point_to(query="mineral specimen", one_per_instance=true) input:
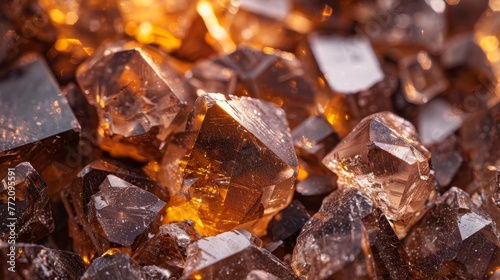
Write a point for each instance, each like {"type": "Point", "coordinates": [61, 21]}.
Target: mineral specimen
{"type": "Point", "coordinates": [349, 237]}
{"type": "Point", "coordinates": [454, 230]}
{"type": "Point", "coordinates": [36, 124]}
{"type": "Point", "coordinates": [231, 253]}
{"type": "Point", "coordinates": [39, 263]}
{"type": "Point", "coordinates": [117, 266]}
{"type": "Point", "coordinates": [138, 95]}
{"type": "Point", "coordinates": [123, 214]}
{"type": "Point", "coordinates": [241, 164]}
{"type": "Point", "coordinates": [383, 158]}
{"type": "Point", "coordinates": [24, 205]}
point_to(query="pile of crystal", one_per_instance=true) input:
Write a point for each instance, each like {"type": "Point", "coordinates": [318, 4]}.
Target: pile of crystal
{"type": "Point", "coordinates": [250, 139]}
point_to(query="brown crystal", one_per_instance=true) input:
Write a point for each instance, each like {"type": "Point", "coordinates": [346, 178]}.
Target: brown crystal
{"type": "Point", "coordinates": [383, 158]}
{"type": "Point", "coordinates": [36, 124]}
{"type": "Point", "coordinates": [29, 215]}
{"type": "Point", "coordinates": [138, 95]}
{"type": "Point", "coordinates": [268, 74]}
{"type": "Point", "coordinates": [118, 265]}
{"type": "Point", "coordinates": [240, 165]}
{"type": "Point", "coordinates": [349, 238]}
{"type": "Point", "coordinates": [231, 253]}
{"type": "Point", "coordinates": [446, 161]}
{"type": "Point", "coordinates": [454, 230]}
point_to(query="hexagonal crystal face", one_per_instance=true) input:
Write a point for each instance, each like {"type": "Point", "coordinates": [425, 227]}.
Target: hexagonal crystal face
{"type": "Point", "coordinates": [242, 164]}
{"type": "Point", "coordinates": [383, 158]}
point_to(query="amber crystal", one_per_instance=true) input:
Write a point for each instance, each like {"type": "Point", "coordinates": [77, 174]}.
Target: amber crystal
{"type": "Point", "coordinates": [267, 74]}
{"type": "Point", "coordinates": [32, 215]}
{"type": "Point", "coordinates": [349, 237]}
{"type": "Point", "coordinates": [38, 262]}
{"type": "Point", "coordinates": [307, 15]}
{"type": "Point", "coordinates": [137, 211]}
{"type": "Point", "coordinates": [383, 158]}
{"type": "Point", "coordinates": [231, 253]}
{"type": "Point", "coordinates": [240, 167]}
{"type": "Point", "coordinates": [487, 35]}
{"type": "Point", "coordinates": [37, 124]}
{"type": "Point", "coordinates": [138, 95]}
{"type": "Point", "coordinates": [350, 81]}
{"type": "Point", "coordinates": [454, 230]}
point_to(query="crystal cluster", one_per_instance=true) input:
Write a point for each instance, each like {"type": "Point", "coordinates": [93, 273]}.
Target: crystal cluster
{"type": "Point", "coordinates": [249, 139]}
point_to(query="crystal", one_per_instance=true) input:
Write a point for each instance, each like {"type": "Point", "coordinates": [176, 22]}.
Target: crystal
{"type": "Point", "coordinates": [261, 24]}
{"type": "Point", "coordinates": [437, 120]}
{"type": "Point", "coordinates": [37, 262]}
{"type": "Point", "coordinates": [29, 215]}
{"type": "Point", "coordinates": [36, 124]}
{"type": "Point", "coordinates": [446, 161]}
{"type": "Point", "coordinates": [271, 75]}
{"type": "Point", "coordinates": [349, 237]}
{"type": "Point", "coordinates": [167, 248]}
{"type": "Point", "coordinates": [85, 113]}
{"type": "Point", "coordinates": [138, 95]}
{"type": "Point", "coordinates": [307, 15]}
{"type": "Point", "coordinates": [405, 24]}
{"type": "Point", "coordinates": [463, 14]}
{"type": "Point", "coordinates": [260, 275]}
{"type": "Point", "coordinates": [231, 253]}
{"type": "Point", "coordinates": [239, 148]}
{"type": "Point", "coordinates": [118, 265]}
{"type": "Point", "coordinates": [8, 35]}
{"type": "Point", "coordinates": [461, 50]}
{"type": "Point", "coordinates": [487, 35]}
{"type": "Point", "coordinates": [351, 82]}
{"type": "Point", "coordinates": [288, 221]}
{"type": "Point", "coordinates": [124, 214]}
{"type": "Point", "coordinates": [383, 158]}
{"type": "Point", "coordinates": [422, 78]}
{"type": "Point", "coordinates": [453, 230]}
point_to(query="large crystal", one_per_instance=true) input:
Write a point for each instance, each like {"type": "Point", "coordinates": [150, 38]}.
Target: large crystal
{"type": "Point", "coordinates": [37, 262]}
{"type": "Point", "coordinates": [118, 265]}
{"type": "Point", "coordinates": [36, 124]}
{"type": "Point", "coordinates": [138, 95]}
{"type": "Point", "coordinates": [383, 158]}
{"type": "Point", "coordinates": [349, 238]}
{"type": "Point", "coordinates": [270, 75]}
{"type": "Point", "coordinates": [231, 253]}
{"type": "Point", "coordinates": [121, 213]}
{"type": "Point", "coordinates": [241, 164]}
{"type": "Point", "coordinates": [454, 230]}
{"type": "Point", "coordinates": [24, 205]}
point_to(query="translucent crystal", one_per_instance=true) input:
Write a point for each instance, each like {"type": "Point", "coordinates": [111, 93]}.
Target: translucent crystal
{"type": "Point", "coordinates": [231, 253]}
{"type": "Point", "coordinates": [422, 78]}
{"type": "Point", "coordinates": [118, 265]}
{"type": "Point", "coordinates": [124, 214]}
{"type": "Point", "coordinates": [38, 262]}
{"type": "Point", "coordinates": [383, 158]}
{"type": "Point", "coordinates": [32, 214]}
{"type": "Point", "coordinates": [307, 15]}
{"type": "Point", "coordinates": [446, 161]}
{"type": "Point", "coordinates": [454, 230]}
{"type": "Point", "coordinates": [288, 221]}
{"type": "Point", "coordinates": [138, 96]}
{"type": "Point", "coordinates": [437, 120]}
{"type": "Point", "coordinates": [349, 237]}
{"type": "Point", "coordinates": [238, 148]}
{"type": "Point", "coordinates": [37, 124]}
{"type": "Point", "coordinates": [487, 34]}
{"type": "Point", "coordinates": [271, 75]}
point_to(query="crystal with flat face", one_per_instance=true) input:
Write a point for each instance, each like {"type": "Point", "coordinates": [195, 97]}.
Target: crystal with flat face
{"type": "Point", "coordinates": [446, 161]}
{"type": "Point", "coordinates": [39, 262]}
{"type": "Point", "coordinates": [349, 237]}
{"type": "Point", "coordinates": [422, 78]}
{"type": "Point", "coordinates": [438, 120]}
{"type": "Point", "coordinates": [351, 82]}
{"type": "Point", "coordinates": [37, 124]}
{"type": "Point", "coordinates": [454, 230]}
{"type": "Point", "coordinates": [271, 75]}
{"type": "Point", "coordinates": [124, 214]}
{"type": "Point", "coordinates": [32, 215]}
{"type": "Point", "coordinates": [118, 265]}
{"type": "Point", "coordinates": [288, 221]}
{"type": "Point", "coordinates": [240, 165]}
{"type": "Point", "coordinates": [383, 158]}
{"type": "Point", "coordinates": [138, 95]}
{"type": "Point", "coordinates": [235, 253]}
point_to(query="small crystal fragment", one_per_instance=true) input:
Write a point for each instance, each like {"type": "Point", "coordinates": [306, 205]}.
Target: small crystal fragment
{"type": "Point", "coordinates": [118, 265]}
{"type": "Point", "coordinates": [383, 158]}
{"type": "Point", "coordinates": [446, 161]}
{"type": "Point", "coordinates": [422, 78]}
{"type": "Point", "coordinates": [37, 262]}
{"type": "Point", "coordinates": [454, 230]}
{"type": "Point", "coordinates": [240, 165]}
{"type": "Point", "coordinates": [36, 124]}
{"type": "Point", "coordinates": [231, 253]}
{"type": "Point", "coordinates": [32, 212]}
{"type": "Point", "coordinates": [288, 221]}
{"type": "Point", "coordinates": [271, 75]}
{"type": "Point", "coordinates": [139, 98]}
{"type": "Point", "coordinates": [124, 214]}
{"type": "Point", "coordinates": [349, 237]}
